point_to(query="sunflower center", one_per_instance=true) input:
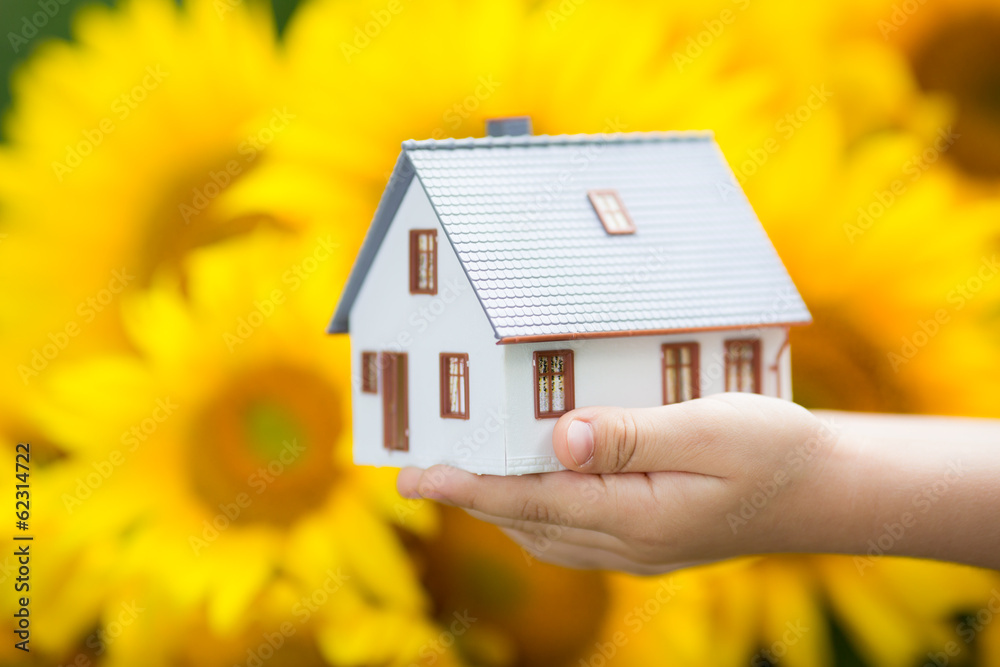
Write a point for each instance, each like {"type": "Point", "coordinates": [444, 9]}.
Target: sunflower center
{"type": "Point", "coordinates": [961, 58]}
{"type": "Point", "coordinates": [269, 434]}
{"type": "Point", "coordinates": [268, 426]}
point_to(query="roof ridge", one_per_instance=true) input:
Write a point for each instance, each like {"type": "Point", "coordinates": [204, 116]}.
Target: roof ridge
{"type": "Point", "coordinates": [558, 139]}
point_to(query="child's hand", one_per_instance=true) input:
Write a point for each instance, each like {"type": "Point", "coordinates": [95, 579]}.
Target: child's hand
{"type": "Point", "coordinates": [657, 488]}
{"type": "Point", "coordinates": [654, 489]}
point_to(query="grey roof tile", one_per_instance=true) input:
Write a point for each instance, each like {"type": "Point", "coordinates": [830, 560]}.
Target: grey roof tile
{"type": "Point", "coordinates": [516, 211]}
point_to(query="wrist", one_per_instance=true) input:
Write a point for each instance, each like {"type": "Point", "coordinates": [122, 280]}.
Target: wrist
{"type": "Point", "coordinates": [836, 504]}
{"type": "Point", "coordinates": [910, 486]}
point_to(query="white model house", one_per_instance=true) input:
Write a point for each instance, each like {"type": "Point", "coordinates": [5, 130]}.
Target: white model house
{"type": "Point", "coordinates": [507, 279]}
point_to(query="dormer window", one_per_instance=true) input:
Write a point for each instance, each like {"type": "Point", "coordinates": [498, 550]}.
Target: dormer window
{"type": "Point", "coordinates": [423, 261]}
{"type": "Point", "coordinates": [611, 211]}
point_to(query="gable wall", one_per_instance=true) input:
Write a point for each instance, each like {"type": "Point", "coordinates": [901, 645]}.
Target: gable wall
{"type": "Point", "coordinates": [386, 317]}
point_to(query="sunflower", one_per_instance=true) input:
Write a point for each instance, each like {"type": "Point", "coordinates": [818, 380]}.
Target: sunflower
{"type": "Point", "coordinates": [162, 226]}
{"type": "Point", "coordinates": [794, 611]}
{"type": "Point", "coordinates": [150, 135]}
{"type": "Point", "coordinates": [818, 117]}
{"type": "Point", "coordinates": [142, 142]}
{"type": "Point", "coordinates": [950, 48]}
{"type": "Point", "coordinates": [214, 467]}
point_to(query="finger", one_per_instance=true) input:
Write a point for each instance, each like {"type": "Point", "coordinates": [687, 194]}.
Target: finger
{"type": "Point", "coordinates": [698, 436]}
{"type": "Point", "coordinates": [579, 557]}
{"type": "Point", "coordinates": [564, 498]}
{"type": "Point", "coordinates": [545, 533]}
{"type": "Point", "coordinates": [406, 482]}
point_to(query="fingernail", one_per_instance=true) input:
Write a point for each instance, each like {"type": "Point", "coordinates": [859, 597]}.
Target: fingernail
{"type": "Point", "coordinates": [580, 439]}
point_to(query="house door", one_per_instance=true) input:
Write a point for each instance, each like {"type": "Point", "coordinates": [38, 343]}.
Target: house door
{"type": "Point", "coordinates": [395, 417]}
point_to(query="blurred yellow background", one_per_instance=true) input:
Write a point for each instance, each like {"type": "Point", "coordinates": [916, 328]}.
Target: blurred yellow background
{"type": "Point", "coordinates": [182, 193]}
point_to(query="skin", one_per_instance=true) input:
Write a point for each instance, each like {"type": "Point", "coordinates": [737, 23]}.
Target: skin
{"type": "Point", "coordinates": [656, 489]}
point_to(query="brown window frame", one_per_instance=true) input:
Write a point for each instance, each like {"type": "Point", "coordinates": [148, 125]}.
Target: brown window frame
{"type": "Point", "coordinates": [415, 254]}
{"type": "Point", "coordinates": [756, 365]}
{"type": "Point", "coordinates": [609, 226]}
{"type": "Point", "coordinates": [695, 355]}
{"type": "Point", "coordinates": [445, 367]}
{"type": "Point", "coordinates": [369, 372]}
{"type": "Point", "coordinates": [395, 389]}
{"type": "Point", "coordinates": [569, 399]}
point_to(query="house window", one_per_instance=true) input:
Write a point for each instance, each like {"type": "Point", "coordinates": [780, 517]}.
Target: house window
{"type": "Point", "coordinates": [611, 211]}
{"type": "Point", "coordinates": [553, 383]}
{"type": "Point", "coordinates": [423, 261]}
{"type": "Point", "coordinates": [743, 365]}
{"type": "Point", "coordinates": [680, 372]}
{"type": "Point", "coordinates": [369, 372]}
{"type": "Point", "coordinates": [454, 385]}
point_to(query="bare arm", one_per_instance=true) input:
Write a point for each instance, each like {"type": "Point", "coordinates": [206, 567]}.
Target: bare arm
{"type": "Point", "coordinates": [933, 485]}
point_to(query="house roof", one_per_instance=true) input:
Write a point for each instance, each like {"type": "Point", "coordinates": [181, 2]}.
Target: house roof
{"type": "Point", "coordinates": [515, 209]}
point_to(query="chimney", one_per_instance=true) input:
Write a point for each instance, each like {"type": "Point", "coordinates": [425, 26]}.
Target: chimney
{"type": "Point", "coordinates": [508, 126]}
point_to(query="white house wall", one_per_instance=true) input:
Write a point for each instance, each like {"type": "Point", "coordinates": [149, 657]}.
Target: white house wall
{"type": "Point", "coordinates": [621, 372]}
{"type": "Point", "coordinates": [386, 317]}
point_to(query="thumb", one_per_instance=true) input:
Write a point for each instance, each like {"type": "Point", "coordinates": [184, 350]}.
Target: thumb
{"type": "Point", "coordinates": [697, 436]}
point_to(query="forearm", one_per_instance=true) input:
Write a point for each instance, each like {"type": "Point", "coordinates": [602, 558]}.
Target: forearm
{"type": "Point", "coordinates": [925, 487]}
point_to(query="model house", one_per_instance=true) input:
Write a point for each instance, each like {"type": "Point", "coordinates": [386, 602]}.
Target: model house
{"type": "Point", "coordinates": [507, 279]}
